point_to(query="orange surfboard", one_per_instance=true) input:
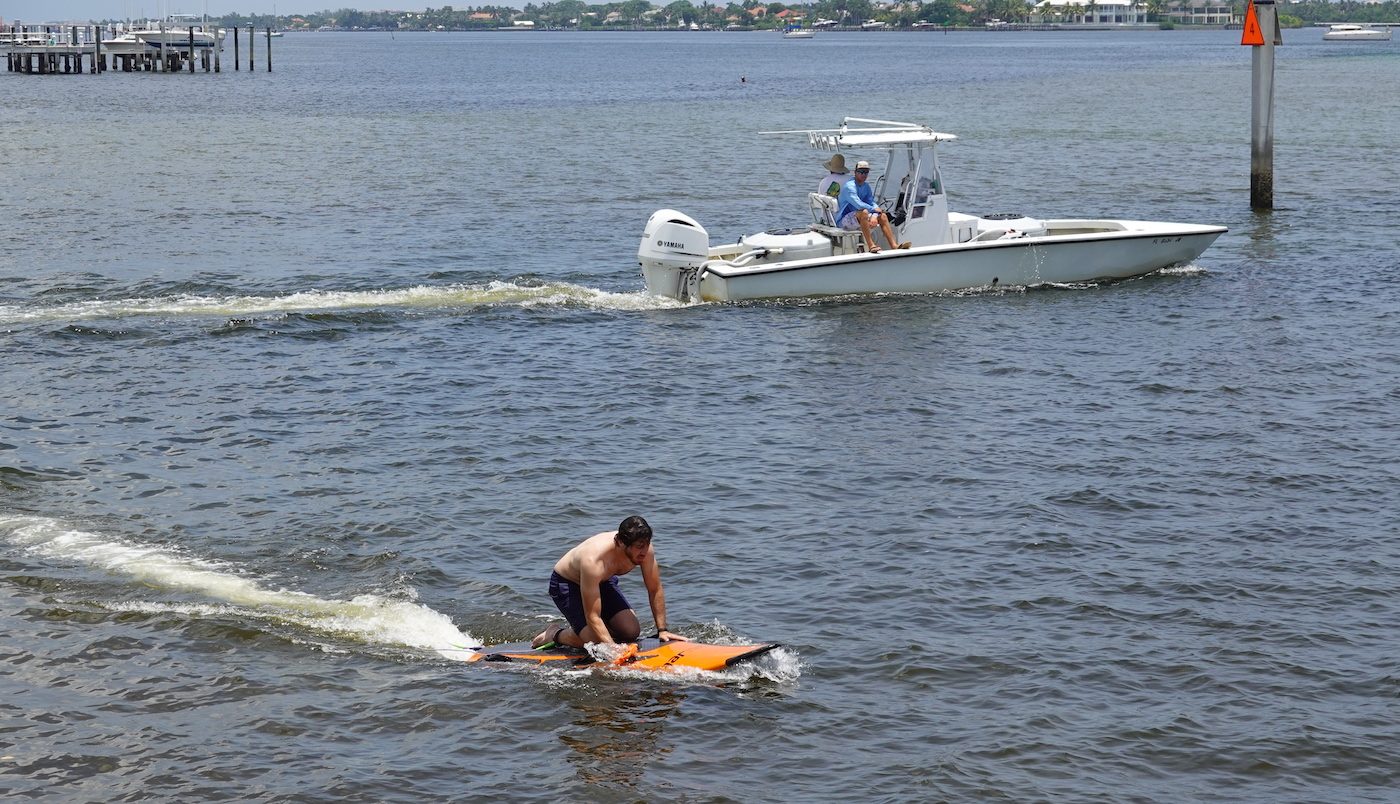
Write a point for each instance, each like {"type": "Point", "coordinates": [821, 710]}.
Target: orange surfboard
{"type": "Point", "coordinates": [646, 654]}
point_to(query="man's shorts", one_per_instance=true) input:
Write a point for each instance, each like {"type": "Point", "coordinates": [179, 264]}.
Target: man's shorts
{"type": "Point", "coordinates": [849, 221]}
{"type": "Point", "coordinates": [569, 599]}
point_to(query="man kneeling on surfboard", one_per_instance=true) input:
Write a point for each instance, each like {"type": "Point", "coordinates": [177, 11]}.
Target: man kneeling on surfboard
{"type": "Point", "coordinates": [584, 587]}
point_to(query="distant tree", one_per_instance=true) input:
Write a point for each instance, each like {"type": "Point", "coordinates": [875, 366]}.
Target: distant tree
{"type": "Point", "coordinates": [944, 12]}
{"type": "Point", "coordinates": [681, 11]}
{"type": "Point", "coordinates": [632, 10]}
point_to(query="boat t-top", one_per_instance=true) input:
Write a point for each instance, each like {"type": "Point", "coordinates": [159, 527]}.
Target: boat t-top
{"type": "Point", "coordinates": [948, 250]}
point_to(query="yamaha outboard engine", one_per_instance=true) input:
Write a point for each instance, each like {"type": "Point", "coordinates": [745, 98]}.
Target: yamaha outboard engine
{"type": "Point", "coordinates": [673, 249]}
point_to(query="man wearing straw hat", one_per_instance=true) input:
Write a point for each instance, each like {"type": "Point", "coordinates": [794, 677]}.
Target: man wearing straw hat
{"type": "Point", "coordinates": [831, 185]}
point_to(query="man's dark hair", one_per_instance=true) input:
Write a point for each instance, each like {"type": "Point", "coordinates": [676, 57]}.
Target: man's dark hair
{"type": "Point", "coordinates": [632, 530]}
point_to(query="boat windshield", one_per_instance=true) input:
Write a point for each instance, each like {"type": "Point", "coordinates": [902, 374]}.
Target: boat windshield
{"type": "Point", "coordinates": [913, 174]}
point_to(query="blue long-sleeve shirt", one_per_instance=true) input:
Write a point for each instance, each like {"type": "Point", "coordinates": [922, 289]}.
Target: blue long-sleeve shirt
{"type": "Point", "coordinates": [854, 196]}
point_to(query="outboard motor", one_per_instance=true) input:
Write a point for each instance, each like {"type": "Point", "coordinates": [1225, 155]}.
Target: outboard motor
{"type": "Point", "coordinates": [673, 249]}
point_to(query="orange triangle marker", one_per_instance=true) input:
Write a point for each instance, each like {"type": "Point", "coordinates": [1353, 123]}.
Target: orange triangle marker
{"type": "Point", "coordinates": [1253, 35]}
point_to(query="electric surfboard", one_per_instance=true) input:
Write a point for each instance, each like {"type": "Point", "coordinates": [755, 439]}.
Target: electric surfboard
{"type": "Point", "coordinates": [645, 654]}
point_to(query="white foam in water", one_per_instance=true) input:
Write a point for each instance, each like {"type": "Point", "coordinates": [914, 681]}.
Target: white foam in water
{"type": "Point", "coordinates": [418, 297]}
{"type": "Point", "coordinates": [1183, 270]}
{"type": "Point", "coordinates": [369, 618]}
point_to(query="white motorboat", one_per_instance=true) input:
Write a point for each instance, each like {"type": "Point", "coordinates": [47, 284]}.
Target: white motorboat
{"type": "Point", "coordinates": [1356, 33]}
{"type": "Point", "coordinates": [11, 40]}
{"type": "Point", "coordinates": [178, 38]}
{"type": "Point", "coordinates": [799, 33]}
{"type": "Point", "coordinates": [173, 33]}
{"type": "Point", "coordinates": [948, 250]}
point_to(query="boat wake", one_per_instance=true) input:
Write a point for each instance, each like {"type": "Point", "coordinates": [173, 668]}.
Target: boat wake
{"type": "Point", "coordinates": [417, 298]}
{"type": "Point", "coordinates": [222, 591]}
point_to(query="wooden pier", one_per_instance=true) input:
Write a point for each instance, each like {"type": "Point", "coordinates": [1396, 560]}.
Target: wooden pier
{"type": "Point", "coordinates": [75, 49]}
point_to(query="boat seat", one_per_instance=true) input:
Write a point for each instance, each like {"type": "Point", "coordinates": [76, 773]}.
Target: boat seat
{"type": "Point", "coordinates": [843, 241]}
{"type": "Point", "coordinates": [823, 208]}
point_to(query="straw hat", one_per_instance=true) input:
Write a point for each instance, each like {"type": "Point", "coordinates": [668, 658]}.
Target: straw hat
{"type": "Point", "coordinates": [836, 164]}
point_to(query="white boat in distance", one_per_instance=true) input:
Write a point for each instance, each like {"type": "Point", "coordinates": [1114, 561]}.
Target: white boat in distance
{"type": "Point", "coordinates": [1346, 32]}
{"type": "Point", "coordinates": [799, 33]}
{"type": "Point", "coordinates": [949, 250]}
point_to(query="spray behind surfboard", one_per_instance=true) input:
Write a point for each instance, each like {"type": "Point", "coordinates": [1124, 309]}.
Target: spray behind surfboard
{"type": "Point", "coordinates": [221, 590]}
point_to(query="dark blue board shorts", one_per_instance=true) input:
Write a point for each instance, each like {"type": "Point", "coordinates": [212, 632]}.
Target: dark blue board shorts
{"type": "Point", "coordinates": [569, 599]}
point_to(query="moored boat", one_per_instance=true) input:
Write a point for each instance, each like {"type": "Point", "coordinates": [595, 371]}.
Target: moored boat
{"type": "Point", "coordinates": [176, 32]}
{"type": "Point", "coordinates": [947, 250]}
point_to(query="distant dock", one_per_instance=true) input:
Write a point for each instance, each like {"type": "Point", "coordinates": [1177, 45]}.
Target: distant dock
{"type": "Point", "coordinates": [76, 49]}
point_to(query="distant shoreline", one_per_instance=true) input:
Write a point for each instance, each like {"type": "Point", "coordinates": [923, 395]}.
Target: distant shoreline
{"type": "Point", "coordinates": [849, 29]}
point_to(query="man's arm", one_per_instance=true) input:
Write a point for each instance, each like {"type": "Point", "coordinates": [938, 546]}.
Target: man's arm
{"type": "Point", "coordinates": [656, 596]}
{"type": "Point", "coordinates": [867, 205]}
{"type": "Point", "coordinates": [590, 575]}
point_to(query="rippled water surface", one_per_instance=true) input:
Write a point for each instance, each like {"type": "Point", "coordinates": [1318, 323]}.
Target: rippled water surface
{"type": "Point", "coordinates": [310, 373]}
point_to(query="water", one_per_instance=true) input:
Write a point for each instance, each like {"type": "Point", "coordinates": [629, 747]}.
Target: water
{"type": "Point", "coordinates": [307, 373]}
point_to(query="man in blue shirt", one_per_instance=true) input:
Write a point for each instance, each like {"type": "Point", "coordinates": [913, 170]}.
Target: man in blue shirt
{"type": "Point", "coordinates": [856, 209]}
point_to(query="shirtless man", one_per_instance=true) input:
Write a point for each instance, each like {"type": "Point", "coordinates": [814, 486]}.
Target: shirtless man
{"type": "Point", "coordinates": [584, 587]}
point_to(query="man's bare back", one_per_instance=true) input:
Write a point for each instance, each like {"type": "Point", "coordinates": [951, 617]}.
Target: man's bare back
{"type": "Point", "coordinates": [599, 553]}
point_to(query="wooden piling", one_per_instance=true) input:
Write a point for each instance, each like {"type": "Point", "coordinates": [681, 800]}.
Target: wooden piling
{"type": "Point", "coordinates": [269, 49]}
{"type": "Point", "coordinates": [250, 48]}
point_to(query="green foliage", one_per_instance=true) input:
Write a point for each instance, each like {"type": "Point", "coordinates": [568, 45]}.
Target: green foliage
{"type": "Point", "coordinates": [1345, 11]}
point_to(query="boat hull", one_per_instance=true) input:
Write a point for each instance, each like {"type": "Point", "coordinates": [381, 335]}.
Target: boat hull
{"type": "Point", "coordinates": [1143, 247]}
{"type": "Point", "coordinates": [1365, 36]}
